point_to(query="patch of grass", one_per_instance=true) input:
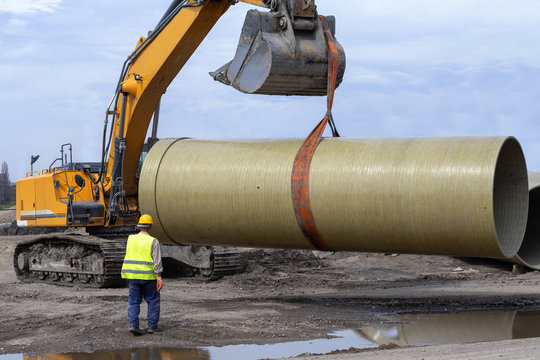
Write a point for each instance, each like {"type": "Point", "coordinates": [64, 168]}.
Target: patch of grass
{"type": "Point", "coordinates": [6, 206]}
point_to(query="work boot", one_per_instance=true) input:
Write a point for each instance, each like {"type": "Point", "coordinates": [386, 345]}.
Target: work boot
{"type": "Point", "coordinates": [135, 331]}
{"type": "Point", "coordinates": [157, 329]}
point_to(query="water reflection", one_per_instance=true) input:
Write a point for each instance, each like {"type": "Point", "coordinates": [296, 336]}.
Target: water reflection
{"type": "Point", "coordinates": [340, 340]}
{"type": "Point", "coordinates": [455, 328]}
{"type": "Point", "coordinates": [132, 354]}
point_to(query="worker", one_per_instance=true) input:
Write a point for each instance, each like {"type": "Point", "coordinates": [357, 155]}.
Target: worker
{"type": "Point", "coordinates": [143, 267]}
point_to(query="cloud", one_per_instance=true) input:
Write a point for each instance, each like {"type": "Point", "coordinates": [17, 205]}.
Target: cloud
{"type": "Point", "coordinates": [19, 7]}
{"type": "Point", "coordinates": [414, 68]}
{"type": "Point", "coordinates": [14, 26]}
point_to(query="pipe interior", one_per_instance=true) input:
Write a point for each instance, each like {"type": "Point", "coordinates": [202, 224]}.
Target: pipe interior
{"type": "Point", "coordinates": [530, 249]}
{"type": "Point", "coordinates": [510, 197]}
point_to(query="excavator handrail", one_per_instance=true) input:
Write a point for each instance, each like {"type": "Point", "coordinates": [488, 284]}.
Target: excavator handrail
{"type": "Point", "coordinates": [29, 174]}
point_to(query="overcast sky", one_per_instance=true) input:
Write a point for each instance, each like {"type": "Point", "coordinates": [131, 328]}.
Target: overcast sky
{"type": "Point", "coordinates": [414, 68]}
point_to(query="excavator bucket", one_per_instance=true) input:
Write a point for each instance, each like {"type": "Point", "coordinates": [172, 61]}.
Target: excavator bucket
{"type": "Point", "coordinates": [281, 54]}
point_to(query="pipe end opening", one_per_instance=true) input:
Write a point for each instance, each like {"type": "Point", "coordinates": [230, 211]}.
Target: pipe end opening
{"type": "Point", "coordinates": [510, 197]}
{"type": "Point", "coordinates": [529, 252]}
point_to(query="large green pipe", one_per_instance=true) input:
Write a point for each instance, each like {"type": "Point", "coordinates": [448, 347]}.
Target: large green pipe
{"type": "Point", "coordinates": [465, 196]}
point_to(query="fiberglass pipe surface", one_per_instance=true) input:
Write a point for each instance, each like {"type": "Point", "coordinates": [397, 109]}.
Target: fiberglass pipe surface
{"type": "Point", "coordinates": [463, 196]}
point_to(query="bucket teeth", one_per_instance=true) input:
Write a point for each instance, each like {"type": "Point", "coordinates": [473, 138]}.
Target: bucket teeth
{"type": "Point", "coordinates": [274, 59]}
{"type": "Point", "coordinates": [221, 74]}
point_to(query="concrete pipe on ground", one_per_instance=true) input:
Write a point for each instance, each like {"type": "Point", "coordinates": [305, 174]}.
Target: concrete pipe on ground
{"type": "Point", "coordinates": [529, 252]}
{"type": "Point", "coordinates": [463, 196]}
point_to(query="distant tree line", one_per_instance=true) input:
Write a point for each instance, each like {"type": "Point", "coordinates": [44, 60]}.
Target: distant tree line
{"type": "Point", "coordinates": [7, 189]}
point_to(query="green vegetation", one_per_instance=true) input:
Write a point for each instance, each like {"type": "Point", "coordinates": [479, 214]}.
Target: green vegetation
{"type": "Point", "coordinates": [7, 189]}
{"type": "Point", "coordinates": [6, 206]}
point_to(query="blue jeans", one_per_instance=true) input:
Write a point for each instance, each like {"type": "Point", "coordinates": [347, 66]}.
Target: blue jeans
{"type": "Point", "coordinates": [139, 289]}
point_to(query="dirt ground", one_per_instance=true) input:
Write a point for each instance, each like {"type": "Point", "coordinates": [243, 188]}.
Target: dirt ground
{"type": "Point", "coordinates": [283, 295]}
{"type": "Point", "coordinates": [6, 216]}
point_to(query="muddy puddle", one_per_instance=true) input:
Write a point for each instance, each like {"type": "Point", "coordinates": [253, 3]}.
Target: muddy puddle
{"type": "Point", "coordinates": [401, 330]}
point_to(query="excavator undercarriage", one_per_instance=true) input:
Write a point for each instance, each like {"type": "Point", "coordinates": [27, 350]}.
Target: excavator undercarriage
{"type": "Point", "coordinates": [71, 260]}
{"type": "Point", "coordinates": [91, 261]}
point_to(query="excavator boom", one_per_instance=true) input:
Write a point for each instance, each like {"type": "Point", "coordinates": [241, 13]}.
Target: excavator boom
{"type": "Point", "coordinates": [281, 52]}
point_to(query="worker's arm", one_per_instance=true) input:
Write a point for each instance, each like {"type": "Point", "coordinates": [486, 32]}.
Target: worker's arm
{"type": "Point", "coordinates": [156, 256]}
{"type": "Point", "coordinates": [158, 266]}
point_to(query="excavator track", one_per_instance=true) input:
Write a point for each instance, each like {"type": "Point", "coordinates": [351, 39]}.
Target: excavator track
{"type": "Point", "coordinates": [72, 260]}
{"type": "Point", "coordinates": [95, 262]}
{"type": "Point", "coordinates": [210, 262]}
{"type": "Point", "coordinates": [226, 261]}
{"type": "Point", "coordinates": [112, 233]}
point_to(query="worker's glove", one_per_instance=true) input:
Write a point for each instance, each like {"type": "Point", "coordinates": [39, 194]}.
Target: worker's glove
{"type": "Point", "coordinates": [159, 285]}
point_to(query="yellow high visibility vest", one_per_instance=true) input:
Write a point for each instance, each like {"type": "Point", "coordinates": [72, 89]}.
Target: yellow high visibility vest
{"type": "Point", "coordinates": [138, 262]}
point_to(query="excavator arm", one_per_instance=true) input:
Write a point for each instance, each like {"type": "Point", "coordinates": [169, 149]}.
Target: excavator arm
{"type": "Point", "coordinates": [280, 52]}
{"type": "Point", "coordinates": [145, 77]}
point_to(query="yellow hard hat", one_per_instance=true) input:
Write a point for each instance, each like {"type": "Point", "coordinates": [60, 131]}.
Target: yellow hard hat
{"type": "Point", "coordinates": [146, 220]}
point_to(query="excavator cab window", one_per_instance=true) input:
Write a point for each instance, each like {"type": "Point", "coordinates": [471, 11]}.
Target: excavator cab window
{"type": "Point", "coordinates": [146, 148]}
{"type": "Point", "coordinates": [141, 162]}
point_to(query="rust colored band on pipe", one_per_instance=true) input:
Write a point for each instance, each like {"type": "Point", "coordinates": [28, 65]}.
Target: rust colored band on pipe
{"type": "Point", "coordinates": [333, 61]}
{"type": "Point", "coordinates": [302, 162]}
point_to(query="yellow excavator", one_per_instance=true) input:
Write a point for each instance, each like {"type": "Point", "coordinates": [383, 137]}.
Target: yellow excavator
{"type": "Point", "coordinates": [282, 51]}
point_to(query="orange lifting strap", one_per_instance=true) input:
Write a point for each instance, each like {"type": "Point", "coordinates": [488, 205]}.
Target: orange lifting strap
{"type": "Point", "coordinates": [302, 162]}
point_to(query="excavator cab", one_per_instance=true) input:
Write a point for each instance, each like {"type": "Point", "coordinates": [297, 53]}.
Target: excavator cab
{"type": "Point", "coordinates": [282, 52]}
